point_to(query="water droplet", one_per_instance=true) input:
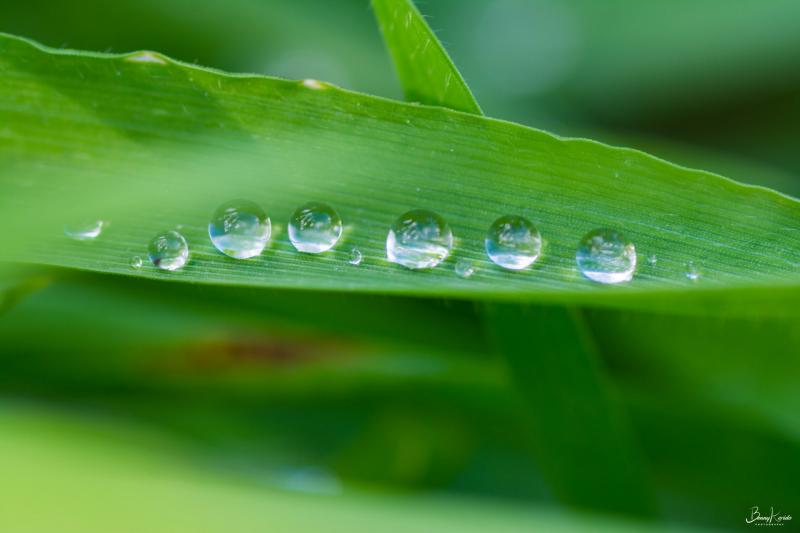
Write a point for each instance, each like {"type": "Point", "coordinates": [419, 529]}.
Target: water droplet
{"type": "Point", "coordinates": [465, 268]}
{"type": "Point", "coordinates": [606, 256]}
{"type": "Point", "coordinates": [652, 259]}
{"type": "Point", "coordinates": [692, 273]}
{"type": "Point", "coordinates": [513, 242]}
{"type": "Point", "coordinates": [136, 262]}
{"type": "Point", "coordinates": [146, 57]}
{"type": "Point", "coordinates": [313, 84]}
{"type": "Point", "coordinates": [240, 229]}
{"type": "Point", "coordinates": [168, 250]}
{"type": "Point", "coordinates": [85, 230]}
{"type": "Point", "coordinates": [419, 239]}
{"type": "Point", "coordinates": [355, 257]}
{"type": "Point", "coordinates": [314, 228]}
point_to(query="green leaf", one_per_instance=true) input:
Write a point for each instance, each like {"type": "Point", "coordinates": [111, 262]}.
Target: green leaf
{"type": "Point", "coordinates": [151, 145]}
{"type": "Point", "coordinates": [732, 363]}
{"type": "Point", "coordinates": [426, 72]}
{"type": "Point", "coordinates": [583, 440]}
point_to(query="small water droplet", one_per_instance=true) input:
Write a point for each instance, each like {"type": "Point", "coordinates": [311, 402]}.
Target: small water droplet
{"type": "Point", "coordinates": [136, 262]}
{"type": "Point", "coordinates": [84, 230]}
{"type": "Point", "coordinates": [146, 57]}
{"type": "Point", "coordinates": [652, 259]}
{"type": "Point", "coordinates": [355, 257]}
{"type": "Point", "coordinates": [692, 273]}
{"type": "Point", "coordinates": [314, 228]}
{"type": "Point", "coordinates": [419, 239]}
{"type": "Point", "coordinates": [465, 268]}
{"type": "Point", "coordinates": [313, 84]}
{"type": "Point", "coordinates": [606, 256]}
{"type": "Point", "coordinates": [512, 242]}
{"type": "Point", "coordinates": [168, 250]}
{"type": "Point", "coordinates": [240, 229]}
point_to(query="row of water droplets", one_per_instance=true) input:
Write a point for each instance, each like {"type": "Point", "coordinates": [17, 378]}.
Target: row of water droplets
{"type": "Point", "coordinates": [418, 239]}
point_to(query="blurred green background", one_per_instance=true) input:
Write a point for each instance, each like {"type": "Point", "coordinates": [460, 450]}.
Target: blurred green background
{"type": "Point", "coordinates": [371, 407]}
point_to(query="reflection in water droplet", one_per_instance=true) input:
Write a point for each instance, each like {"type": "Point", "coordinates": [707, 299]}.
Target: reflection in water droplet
{"type": "Point", "coordinates": [606, 256]}
{"type": "Point", "coordinates": [419, 239]}
{"type": "Point", "coordinates": [355, 257]}
{"type": "Point", "coordinates": [85, 230]}
{"type": "Point", "coordinates": [314, 228]}
{"type": "Point", "coordinates": [652, 259]}
{"type": "Point", "coordinates": [512, 242]}
{"type": "Point", "coordinates": [168, 250]}
{"type": "Point", "coordinates": [692, 273]}
{"type": "Point", "coordinates": [136, 262]}
{"type": "Point", "coordinates": [465, 268]}
{"type": "Point", "coordinates": [240, 229]}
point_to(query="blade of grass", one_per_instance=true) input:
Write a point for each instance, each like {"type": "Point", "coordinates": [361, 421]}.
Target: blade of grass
{"type": "Point", "coordinates": [583, 438]}
{"type": "Point", "coordinates": [153, 145]}
{"type": "Point", "coordinates": [426, 72]}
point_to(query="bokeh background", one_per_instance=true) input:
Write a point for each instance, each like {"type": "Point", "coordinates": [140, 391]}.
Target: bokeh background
{"type": "Point", "coordinates": [252, 405]}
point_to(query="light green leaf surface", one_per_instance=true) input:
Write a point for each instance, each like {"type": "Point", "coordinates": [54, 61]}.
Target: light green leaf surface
{"type": "Point", "coordinates": [426, 72]}
{"type": "Point", "coordinates": [153, 144]}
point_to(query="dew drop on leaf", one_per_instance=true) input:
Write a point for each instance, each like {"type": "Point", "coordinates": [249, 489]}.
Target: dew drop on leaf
{"type": "Point", "coordinates": [84, 230]}
{"type": "Point", "coordinates": [240, 229]}
{"type": "Point", "coordinates": [355, 257]}
{"type": "Point", "coordinates": [315, 228]}
{"type": "Point", "coordinates": [146, 57]}
{"type": "Point", "coordinates": [606, 256]}
{"type": "Point", "coordinates": [465, 268]}
{"type": "Point", "coordinates": [419, 239]}
{"type": "Point", "coordinates": [168, 250]}
{"type": "Point", "coordinates": [692, 273]}
{"type": "Point", "coordinates": [512, 242]}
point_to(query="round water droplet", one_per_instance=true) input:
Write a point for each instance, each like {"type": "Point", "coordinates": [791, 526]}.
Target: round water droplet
{"type": "Point", "coordinates": [136, 262]}
{"type": "Point", "coordinates": [512, 242]}
{"type": "Point", "coordinates": [84, 230]}
{"type": "Point", "coordinates": [465, 268]}
{"type": "Point", "coordinates": [168, 250]}
{"type": "Point", "coordinates": [606, 256]}
{"type": "Point", "coordinates": [692, 273]}
{"type": "Point", "coordinates": [314, 228]}
{"type": "Point", "coordinates": [240, 229]}
{"type": "Point", "coordinates": [419, 239]}
{"type": "Point", "coordinates": [652, 259]}
{"type": "Point", "coordinates": [355, 257]}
